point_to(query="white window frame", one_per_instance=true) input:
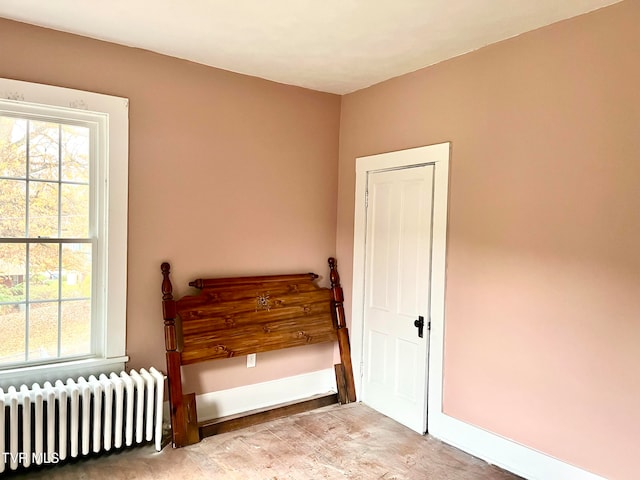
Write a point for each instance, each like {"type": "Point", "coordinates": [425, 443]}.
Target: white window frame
{"type": "Point", "coordinates": [112, 200]}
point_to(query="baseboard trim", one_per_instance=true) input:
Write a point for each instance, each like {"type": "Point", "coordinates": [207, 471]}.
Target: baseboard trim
{"type": "Point", "coordinates": [246, 398]}
{"type": "Point", "coordinates": [502, 452]}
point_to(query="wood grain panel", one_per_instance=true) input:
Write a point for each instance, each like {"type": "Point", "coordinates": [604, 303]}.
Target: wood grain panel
{"type": "Point", "coordinates": [253, 315]}
{"type": "Point", "coordinates": [197, 309]}
{"type": "Point", "coordinates": [233, 318]}
{"type": "Point", "coordinates": [206, 283]}
{"type": "Point", "coordinates": [262, 337]}
{"type": "Point", "coordinates": [247, 290]}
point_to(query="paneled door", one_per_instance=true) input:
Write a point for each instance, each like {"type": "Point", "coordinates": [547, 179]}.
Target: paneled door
{"type": "Point", "coordinates": [399, 212]}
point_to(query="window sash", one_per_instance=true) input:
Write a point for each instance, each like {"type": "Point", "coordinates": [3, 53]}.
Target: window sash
{"type": "Point", "coordinates": [55, 352]}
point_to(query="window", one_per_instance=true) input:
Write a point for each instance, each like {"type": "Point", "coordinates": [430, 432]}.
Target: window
{"type": "Point", "coordinates": [63, 218]}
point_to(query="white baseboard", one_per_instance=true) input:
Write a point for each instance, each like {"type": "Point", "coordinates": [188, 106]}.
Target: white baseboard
{"type": "Point", "coordinates": [502, 452]}
{"type": "Point", "coordinates": [262, 395]}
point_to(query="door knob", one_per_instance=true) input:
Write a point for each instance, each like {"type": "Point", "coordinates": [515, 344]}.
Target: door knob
{"type": "Point", "coordinates": [419, 323]}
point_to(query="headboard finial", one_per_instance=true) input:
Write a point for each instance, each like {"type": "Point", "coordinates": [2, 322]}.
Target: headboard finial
{"type": "Point", "coordinates": [336, 293]}
{"type": "Point", "coordinates": [167, 288]}
{"type": "Point", "coordinates": [334, 276]}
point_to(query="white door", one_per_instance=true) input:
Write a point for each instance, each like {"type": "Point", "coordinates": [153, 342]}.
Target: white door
{"type": "Point", "coordinates": [396, 293]}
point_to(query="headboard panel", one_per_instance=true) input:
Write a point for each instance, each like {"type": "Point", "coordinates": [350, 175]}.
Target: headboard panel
{"type": "Point", "coordinates": [243, 315]}
{"type": "Point", "coordinates": [232, 317]}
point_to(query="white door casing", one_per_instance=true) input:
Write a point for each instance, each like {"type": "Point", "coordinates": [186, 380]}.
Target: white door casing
{"type": "Point", "coordinates": [436, 156]}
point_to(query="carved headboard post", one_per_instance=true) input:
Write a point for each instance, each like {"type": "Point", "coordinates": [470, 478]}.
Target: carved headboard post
{"type": "Point", "coordinates": [183, 415]}
{"type": "Point", "coordinates": [337, 297]}
{"type": "Point", "coordinates": [336, 293]}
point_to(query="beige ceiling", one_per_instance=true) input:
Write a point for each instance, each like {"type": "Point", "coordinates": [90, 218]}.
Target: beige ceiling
{"type": "Point", "coordinates": [336, 46]}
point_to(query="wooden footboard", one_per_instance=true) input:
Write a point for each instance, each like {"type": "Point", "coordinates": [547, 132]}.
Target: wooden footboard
{"type": "Point", "coordinates": [243, 315]}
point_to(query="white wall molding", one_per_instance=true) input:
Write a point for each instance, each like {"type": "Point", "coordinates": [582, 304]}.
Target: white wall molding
{"type": "Point", "coordinates": [502, 452]}
{"type": "Point", "coordinates": [266, 394]}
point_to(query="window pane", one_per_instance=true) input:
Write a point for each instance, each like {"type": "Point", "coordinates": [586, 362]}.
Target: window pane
{"type": "Point", "coordinates": [13, 208]}
{"type": "Point", "coordinates": [43, 331]}
{"type": "Point", "coordinates": [75, 153]}
{"type": "Point", "coordinates": [74, 222]}
{"type": "Point", "coordinates": [13, 141]}
{"type": "Point", "coordinates": [43, 209]}
{"type": "Point", "coordinates": [13, 319]}
{"type": "Point", "coordinates": [44, 150]}
{"type": "Point", "coordinates": [76, 270]}
{"type": "Point", "coordinates": [13, 268]}
{"type": "Point", "coordinates": [76, 328]}
{"type": "Point", "coordinates": [44, 271]}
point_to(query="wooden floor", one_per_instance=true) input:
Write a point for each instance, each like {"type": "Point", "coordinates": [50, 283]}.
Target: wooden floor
{"type": "Point", "coordinates": [335, 442]}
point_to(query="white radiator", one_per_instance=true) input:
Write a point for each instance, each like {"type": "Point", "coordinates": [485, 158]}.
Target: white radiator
{"type": "Point", "coordinates": [51, 423]}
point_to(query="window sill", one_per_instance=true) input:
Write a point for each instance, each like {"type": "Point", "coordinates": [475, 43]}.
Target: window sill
{"type": "Point", "coordinates": [60, 371]}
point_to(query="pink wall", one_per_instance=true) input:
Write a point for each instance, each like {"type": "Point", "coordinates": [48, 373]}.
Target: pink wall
{"type": "Point", "coordinates": [543, 270]}
{"type": "Point", "coordinates": [229, 175]}
{"type": "Point", "coordinates": [543, 287]}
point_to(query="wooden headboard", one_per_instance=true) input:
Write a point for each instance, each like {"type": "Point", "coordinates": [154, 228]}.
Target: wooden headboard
{"type": "Point", "coordinates": [232, 317]}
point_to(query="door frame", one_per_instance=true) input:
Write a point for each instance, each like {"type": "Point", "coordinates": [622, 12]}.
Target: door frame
{"type": "Point", "coordinates": [437, 155]}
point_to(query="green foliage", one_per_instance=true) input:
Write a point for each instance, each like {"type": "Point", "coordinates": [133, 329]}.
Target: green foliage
{"type": "Point", "coordinates": [12, 294]}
